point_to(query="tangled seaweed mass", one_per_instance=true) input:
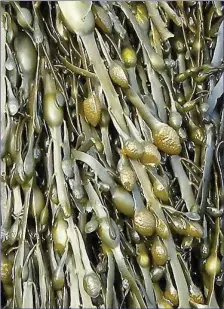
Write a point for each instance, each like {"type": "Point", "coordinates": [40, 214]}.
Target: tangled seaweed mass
{"type": "Point", "coordinates": [112, 154]}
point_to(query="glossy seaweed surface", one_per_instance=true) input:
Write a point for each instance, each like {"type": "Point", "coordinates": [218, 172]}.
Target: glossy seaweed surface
{"type": "Point", "coordinates": [112, 154]}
